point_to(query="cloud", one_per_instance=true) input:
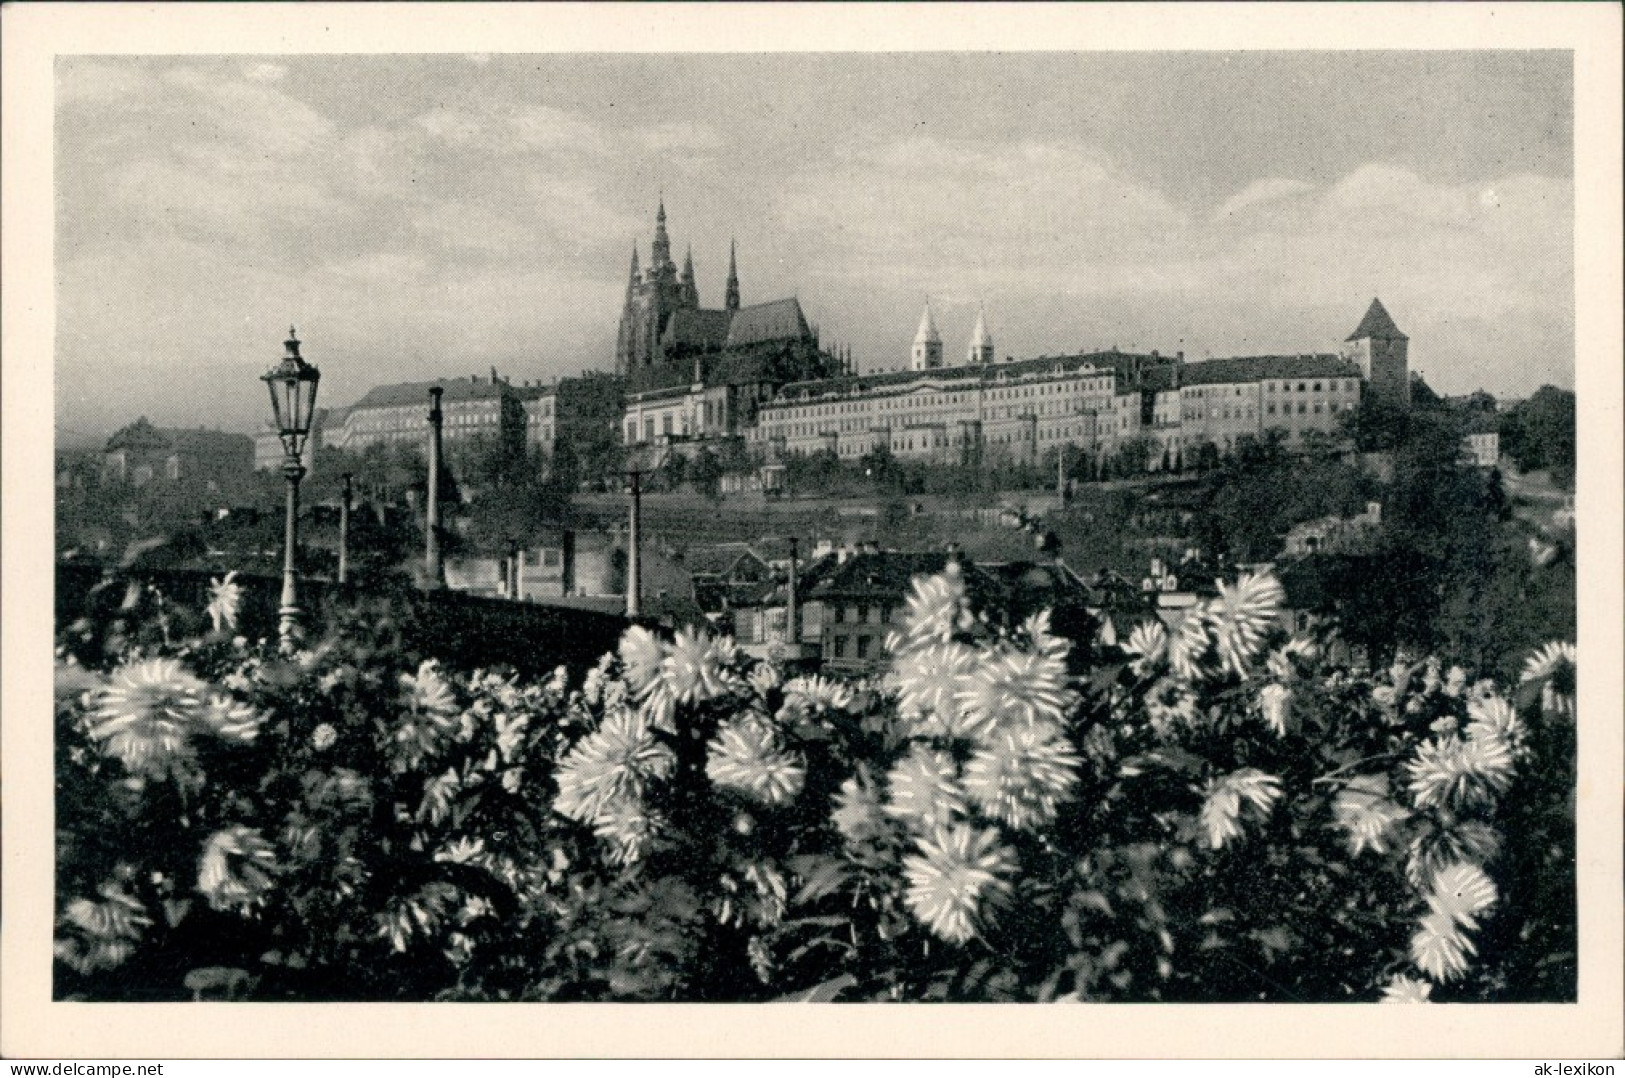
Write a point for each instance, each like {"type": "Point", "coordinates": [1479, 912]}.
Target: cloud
{"type": "Point", "coordinates": [266, 72]}
{"type": "Point", "coordinates": [1261, 193]}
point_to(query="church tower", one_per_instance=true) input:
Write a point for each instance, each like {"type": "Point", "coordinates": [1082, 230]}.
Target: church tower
{"type": "Point", "coordinates": [691, 291]}
{"type": "Point", "coordinates": [927, 353]}
{"type": "Point", "coordinates": [732, 301]}
{"type": "Point", "coordinates": [981, 342]}
{"type": "Point", "coordinates": [1383, 353]}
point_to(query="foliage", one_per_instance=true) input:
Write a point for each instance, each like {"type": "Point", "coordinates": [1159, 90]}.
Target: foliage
{"type": "Point", "coordinates": [1540, 433]}
{"type": "Point", "coordinates": [1218, 813]}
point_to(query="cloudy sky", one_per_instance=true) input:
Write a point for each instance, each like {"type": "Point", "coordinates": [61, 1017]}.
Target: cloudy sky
{"type": "Point", "coordinates": [425, 216]}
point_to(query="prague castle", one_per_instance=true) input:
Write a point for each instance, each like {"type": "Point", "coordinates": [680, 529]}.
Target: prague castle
{"type": "Point", "coordinates": [1101, 403]}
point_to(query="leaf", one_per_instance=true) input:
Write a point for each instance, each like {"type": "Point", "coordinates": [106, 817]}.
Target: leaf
{"type": "Point", "coordinates": [824, 878]}
{"type": "Point", "coordinates": [821, 993]}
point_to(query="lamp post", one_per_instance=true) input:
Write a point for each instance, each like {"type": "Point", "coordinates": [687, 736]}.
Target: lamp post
{"type": "Point", "coordinates": [292, 384]}
{"type": "Point", "coordinates": [434, 576]}
{"type": "Point", "coordinates": [344, 533]}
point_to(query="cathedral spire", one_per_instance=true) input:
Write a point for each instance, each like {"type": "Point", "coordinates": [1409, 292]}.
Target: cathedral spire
{"type": "Point", "coordinates": [981, 342]}
{"type": "Point", "coordinates": [732, 301]}
{"type": "Point", "coordinates": [927, 351]}
{"type": "Point", "coordinates": [660, 255]}
{"type": "Point", "coordinates": [691, 291]}
{"type": "Point", "coordinates": [634, 261]}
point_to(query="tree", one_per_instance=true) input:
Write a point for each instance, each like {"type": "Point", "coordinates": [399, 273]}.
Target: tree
{"type": "Point", "coordinates": [705, 473]}
{"type": "Point", "coordinates": [1539, 433]}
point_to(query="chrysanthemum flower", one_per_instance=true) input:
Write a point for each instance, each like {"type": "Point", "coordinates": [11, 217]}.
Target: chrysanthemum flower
{"type": "Point", "coordinates": [816, 691]}
{"type": "Point", "coordinates": [858, 814]}
{"type": "Point", "coordinates": [1249, 792]}
{"type": "Point", "coordinates": [1149, 644]}
{"type": "Point", "coordinates": [692, 669]}
{"type": "Point", "coordinates": [1406, 989]}
{"type": "Point", "coordinates": [928, 680]}
{"type": "Point", "coordinates": [1275, 705]}
{"type": "Point", "coordinates": [1553, 664]}
{"type": "Point", "coordinates": [1440, 948]}
{"type": "Point", "coordinates": [956, 880]}
{"type": "Point", "coordinates": [1462, 892]}
{"type": "Point", "coordinates": [641, 655]}
{"type": "Point", "coordinates": [1021, 774]}
{"type": "Point", "coordinates": [1013, 688]}
{"type": "Point", "coordinates": [1170, 707]}
{"type": "Point", "coordinates": [612, 764]}
{"type": "Point", "coordinates": [101, 935]}
{"type": "Point", "coordinates": [1289, 662]}
{"type": "Point", "coordinates": [236, 868]}
{"type": "Point", "coordinates": [923, 789]}
{"type": "Point", "coordinates": [1363, 810]}
{"type": "Point", "coordinates": [1241, 615]}
{"type": "Point", "coordinates": [1188, 648]}
{"type": "Point", "coordinates": [225, 600]}
{"type": "Point", "coordinates": [629, 828]}
{"type": "Point", "coordinates": [1455, 772]}
{"type": "Point", "coordinates": [764, 677]}
{"type": "Point", "coordinates": [1493, 718]}
{"type": "Point", "coordinates": [935, 607]}
{"type": "Point", "coordinates": [429, 692]}
{"type": "Point", "coordinates": [146, 714]}
{"type": "Point", "coordinates": [1437, 848]}
{"type": "Point", "coordinates": [748, 756]}
{"type": "Point", "coordinates": [231, 720]}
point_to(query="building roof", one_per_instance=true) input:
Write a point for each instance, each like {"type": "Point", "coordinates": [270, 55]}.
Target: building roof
{"type": "Point", "coordinates": [1132, 369]}
{"type": "Point", "coordinates": [142, 436]}
{"type": "Point", "coordinates": [927, 333]}
{"type": "Point", "coordinates": [1260, 368]}
{"type": "Point", "coordinates": [979, 336]}
{"type": "Point", "coordinates": [773, 321]}
{"type": "Point", "coordinates": [1377, 323]}
{"type": "Point", "coordinates": [695, 327]}
{"type": "Point", "coordinates": [887, 575]}
{"type": "Point", "coordinates": [715, 559]}
{"type": "Point", "coordinates": [456, 390]}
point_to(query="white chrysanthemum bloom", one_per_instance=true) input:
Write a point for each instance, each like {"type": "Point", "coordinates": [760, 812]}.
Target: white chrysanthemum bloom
{"type": "Point", "coordinates": [1248, 792]}
{"type": "Point", "coordinates": [1440, 948]}
{"type": "Point", "coordinates": [1241, 616]}
{"type": "Point", "coordinates": [1493, 718]}
{"type": "Point", "coordinates": [145, 715]}
{"type": "Point", "coordinates": [461, 851]}
{"type": "Point", "coordinates": [641, 653]}
{"type": "Point", "coordinates": [1291, 660]}
{"type": "Point", "coordinates": [1188, 648]}
{"type": "Point", "coordinates": [614, 763]}
{"type": "Point", "coordinates": [923, 789]}
{"type": "Point", "coordinates": [692, 669]}
{"type": "Point", "coordinates": [107, 931]}
{"type": "Point", "coordinates": [1452, 772]}
{"type": "Point", "coordinates": [858, 814]}
{"type": "Point", "coordinates": [592, 686]}
{"type": "Point", "coordinates": [816, 691]}
{"type": "Point", "coordinates": [236, 868]}
{"type": "Point", "coordinates": [935, 607]}
{"type": "Point", "coordinates": [1275, 704]}
{"type": "Point", "coordinates": [1363, 810]}
{"type": "Point", "coordinates": [1554, 665]}
{"type": "Point", "coordinates": [1432, 676]}
{"type": "Point", "coordinates": [747, 755]}
{"type": "Point", "coordinates": [231, 720]}
{"type": "Point", "coordinates": [1013, 687]}
{"type": "Point", "coordinates": [323, 737]}
{"type": "Point", "coordinates": [1434, 850]}
{"type": "Point", "coordinates": [1462, 892]}
{"type": "Point", "coordinates": [1407, 989]}
{"type": "Point", "coordinates": [1020, 774]}
{"type": "Point", "coordinates": [1148, 643]}
{"type": "Point", "coordinates": [928, 680]}
{"type": "Point", "coordinates": [225, 601]}
{"type": "Point", "coordinates": [428, 691]}
{"type": "Point", "coordinates": [1455, 681]}
{"type": "Point", "coordinates": [956, 879]}
{"type": "Point", "coordinates": [764, 677]}
{"type": "Point", "coordinates": [629, 828]}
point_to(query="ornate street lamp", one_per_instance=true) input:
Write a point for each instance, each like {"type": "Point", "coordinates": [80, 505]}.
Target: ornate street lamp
{"type": "Point", "coordinates": [293, 404]}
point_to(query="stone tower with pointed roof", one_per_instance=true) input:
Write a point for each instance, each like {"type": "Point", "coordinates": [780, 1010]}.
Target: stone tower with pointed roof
{"type": "Point", "coordinates": [927, 353]}
{"type": "Point", "coordinates": [1383, 353]}
{"type": "Point", "coordinates": [981, 341]}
